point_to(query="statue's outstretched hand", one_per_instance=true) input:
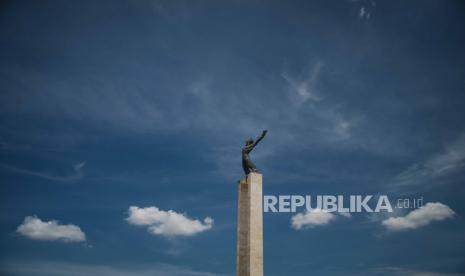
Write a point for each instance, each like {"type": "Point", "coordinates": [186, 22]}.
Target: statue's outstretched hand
{"type": "Point", "coordinates": [264, 133]}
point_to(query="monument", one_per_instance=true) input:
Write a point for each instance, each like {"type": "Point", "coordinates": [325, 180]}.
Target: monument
{"type": "Point", "coordinates": [249, 259]}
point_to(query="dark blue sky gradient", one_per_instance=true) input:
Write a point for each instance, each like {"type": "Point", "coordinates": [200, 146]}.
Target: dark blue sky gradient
{"type": "Point", "coordinates": [155, 98]}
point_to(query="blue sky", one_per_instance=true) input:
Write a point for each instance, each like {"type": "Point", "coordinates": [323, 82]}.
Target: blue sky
{"type": "Point", "coordinates": [106, 105]}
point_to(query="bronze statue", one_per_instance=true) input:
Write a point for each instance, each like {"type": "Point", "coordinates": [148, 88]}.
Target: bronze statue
{"type": "Point", "coordinates": [250, 144]}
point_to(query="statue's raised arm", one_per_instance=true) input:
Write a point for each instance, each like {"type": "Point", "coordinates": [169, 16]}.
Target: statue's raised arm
{"type": "Point", "coordinates": [260, 137]}
{"type": "Point", "coordinates": [250, 144]}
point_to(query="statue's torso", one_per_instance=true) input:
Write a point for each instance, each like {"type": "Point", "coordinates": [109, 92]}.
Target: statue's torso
{"type": "Point", "coordinates": [245, 153]}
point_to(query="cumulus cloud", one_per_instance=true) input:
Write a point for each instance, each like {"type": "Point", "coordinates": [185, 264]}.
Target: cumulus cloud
{"type": "Point", "coordinates": [345, 214]}
{"type": "Point", "coordinates": [433, 211]}
{"type": "Point", "coordinates": [36, 229]}
{"type": "Point", "coordinates": [167, 223]}
{"type": "Point", "coordinates": [310, 219]}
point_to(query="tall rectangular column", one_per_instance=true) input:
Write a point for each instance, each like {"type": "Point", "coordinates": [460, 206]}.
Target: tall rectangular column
{"type": "Point", "coordinates": [249, 261]}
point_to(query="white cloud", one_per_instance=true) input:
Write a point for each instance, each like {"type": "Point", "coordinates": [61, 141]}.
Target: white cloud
{"type": "Point", "coordinates": [167, 223]}
{"type": "Point", "coordinates": [36, 229]}
{"type": "Point", "coordinates": [345, 214]}
{"type": "Point", "coordinates": [310, 219]}
{"type": "Point", "coordinates": [420, 217]}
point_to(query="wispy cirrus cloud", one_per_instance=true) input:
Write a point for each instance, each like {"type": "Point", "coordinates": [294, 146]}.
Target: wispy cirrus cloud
{"type": "Point", "coordinates": [305, 89]}
{"type": "Point", "coordinates": [37, 229]}
{"type": "Point", "coordinates": [167, 223]}
{"type": "Point", "coordinates": [76, 175]}
{"type": "Point", "coordinates": [363, 13]}
{"type": "Point", "coordinates": [310, 103]}
{"type": "Point", "coordinates": [448, 161]}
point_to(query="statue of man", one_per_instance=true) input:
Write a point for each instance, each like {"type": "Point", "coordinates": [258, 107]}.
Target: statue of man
{"type": "Point", "coordinates": [250, 144]}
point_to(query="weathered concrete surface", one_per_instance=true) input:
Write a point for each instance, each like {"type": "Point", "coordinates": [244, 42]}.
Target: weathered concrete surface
{"type": "Point", "coordinates": [249, 261]}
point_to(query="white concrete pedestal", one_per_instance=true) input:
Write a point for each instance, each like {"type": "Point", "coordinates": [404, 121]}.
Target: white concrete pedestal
{"type": "Point", "coordinates": [249, 260]}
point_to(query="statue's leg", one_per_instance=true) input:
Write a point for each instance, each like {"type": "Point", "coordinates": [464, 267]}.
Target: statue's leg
{"type": "Point", "coordinates": [245, 167]}
{"type": "Point", "coordinates": [251, 166]}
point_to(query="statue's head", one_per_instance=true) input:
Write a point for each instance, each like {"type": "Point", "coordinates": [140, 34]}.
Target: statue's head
{"type": "Point", "coordinates": [249, 142]}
